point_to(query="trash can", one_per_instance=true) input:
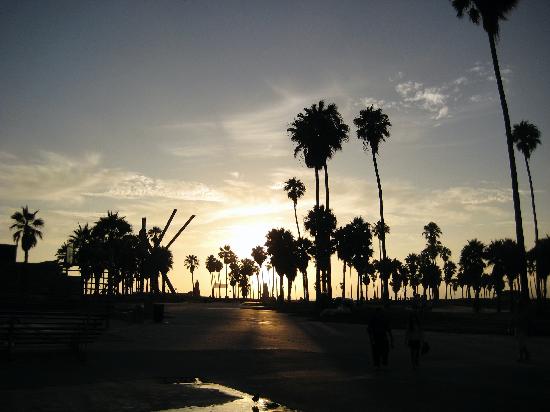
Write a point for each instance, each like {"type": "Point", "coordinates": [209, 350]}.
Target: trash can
{"type": "Point", "coordinates": [158, 312]}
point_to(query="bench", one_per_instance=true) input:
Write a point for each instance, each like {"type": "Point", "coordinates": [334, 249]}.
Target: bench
{"type": "Point", "coordinates": [48, 329]}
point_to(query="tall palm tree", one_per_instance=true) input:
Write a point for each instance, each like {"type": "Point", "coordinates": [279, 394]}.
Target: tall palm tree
{"type": "Point", "coordinates": [295, 189]}
{"type": "Point", "coordinates": [489, 13]}
{"type": "Point", "coordinates": [319, 133]}
{"type": "Point", "coordinates": [27, 229]}
{"type": "Point", "coordinates": [527, 137]}
{"type": "Point", "coordinates": [373, 128]}
{"type": "Point", "coordinates": [259, 255]}
{"type": "Point", "coordinates": [227, 256]}
{"type": "Point", "coordinates": [191, 263]}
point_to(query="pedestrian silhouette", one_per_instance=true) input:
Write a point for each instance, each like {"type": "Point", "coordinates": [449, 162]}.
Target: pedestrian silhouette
{"type": "Point", "coordinates": [415, 338]}
{"type": "Point", "coordinates": [380, 336]}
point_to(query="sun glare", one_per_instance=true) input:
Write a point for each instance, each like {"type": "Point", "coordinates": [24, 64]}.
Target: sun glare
{"type": "Point", "coordinates": [245, 236]}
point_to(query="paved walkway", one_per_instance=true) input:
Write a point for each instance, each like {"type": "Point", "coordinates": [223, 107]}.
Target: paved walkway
{"type": "Point", "coordinates": [305, 365]}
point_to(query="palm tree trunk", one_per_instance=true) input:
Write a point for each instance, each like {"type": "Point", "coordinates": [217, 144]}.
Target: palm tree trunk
{"type": "Point", "coordinates": [26, 256]}
{"type": "Point", "coordinates": [513, 171]}
{"type": "Point", "coordinates": [385, 291]}
{"type": "Point", "coordinates": [329, 266]}
{"type": "Point", "coordinates": [317, 269]}
{"type": "Point", "coordinates": [537, 283]}
{"type": "Point", "coordinates": [296, 218]}
{"type": "Point", "coordinates": [344, 282]}
{"type": "Point", "coordinates": [226, 281]}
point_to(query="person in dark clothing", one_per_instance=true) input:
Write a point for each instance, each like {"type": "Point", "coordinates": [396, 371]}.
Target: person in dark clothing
{"type": "Point", "coordinates": [380, 336]}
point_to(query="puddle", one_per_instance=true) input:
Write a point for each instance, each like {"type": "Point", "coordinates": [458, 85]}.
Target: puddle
{"type": "Point", "coordinates": [243, 402]}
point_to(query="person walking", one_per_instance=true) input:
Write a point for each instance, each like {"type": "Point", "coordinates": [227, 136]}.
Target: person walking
{"type": "Point", "coordinates": [381, 338]}
{"type": "Point", "coordinates": [414, 337]}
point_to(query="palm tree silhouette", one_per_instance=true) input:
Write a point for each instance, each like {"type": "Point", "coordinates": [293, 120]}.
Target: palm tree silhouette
{"type": "Point", "coordinates": [304, 248]}
{"type": "Point", "coordinates": [27, 229]}
{"type": "Point", "coordinates": [295, 189]}
{"type": "Point", "coordinates": [191, 263]}
{"type": "Point", "coordinates": [110, 230]}
{"type": "Point", "coordinates": [497, 254]}
{"type": "Point", "coordinates": [373, 128]}
{"type": "Point", "coordinates": [213, 265]}
{"type": "Point", "coordinates": [318, 133]}
{"type": "Point", "coordinates": [412, 261]}
{"type": "Point", "coordinates": [472, 264]}
{"type": "Point", "coordinates": [259, 255]}
{"type": "Point", "coordinates": [280, 245]}
{"type": "Point", "coordinates": [227, 256]}
{"type": "Point", "coordinates": [321, 223]}
{"type": "Point", "coordinates": [526, 136]}
{"type": "Point", "coordinates": [377, 231]}
{"type": "Point", "coordinates": [344, 251]}
{"type": "Point", "coordinates": [490, 13]}
{"type": "Point", "coordinates": [247, 269]}
{"type": "Point", "coordinates": [160, 261]}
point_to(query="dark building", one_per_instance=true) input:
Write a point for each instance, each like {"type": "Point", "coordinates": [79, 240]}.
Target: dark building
{"type": "Point", "coordinates": [8, 254]}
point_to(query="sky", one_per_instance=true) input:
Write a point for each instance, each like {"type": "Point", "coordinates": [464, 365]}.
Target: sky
{"type": "Point", "coordinates": [142, 107]}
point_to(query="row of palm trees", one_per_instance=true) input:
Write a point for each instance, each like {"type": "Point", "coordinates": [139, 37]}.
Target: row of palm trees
{"type": "Point", "coordinates": [482, 270]}
{"type": "Point", "coordinates": [319, 133]}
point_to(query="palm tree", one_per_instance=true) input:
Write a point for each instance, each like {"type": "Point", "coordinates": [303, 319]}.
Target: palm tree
{"type": "Point", "coordinates": [412, 262]}
{"type": "Point", "coordinates": [210, 264]}
{"type": "Point", "coordinates": [154, 234]}
{"type": "Point", "coordinates": [490, 13]}
{"type": "Point", "coordinates": [527, 137]}
{"type": "Point", "coordinates": [160, 260]}
{"type": "Point", "coordinates": [319, 133]}
{"type": "Point", "coordinates": [377, 231]}
{"type": "Point", "coordinates": [191, 263]}
{"type": "Point", "coordinates": [259, 255]}
{"type": "Point", "coordinates": [90, 254]}
{"type": "Point", "coordinates": [472, 264]}
{"type": "Point", "coordinates": [227, 256]}
{"type": "Point", "coordinates": [321, 223]}
{"type": "Point", "coordinates": [295, 189]}
{"type": "Point", "coordinates": [280, 245]}
{"type": "Point", "coordinates": [373, 128]}
{"type": "Point", "coordinates": [247, 269]}
{"type": "Point", "coordinates": [110, 230]}
{"type": "Point", "coordinates": [27, 229]}
{"type": "Point", "coordinates": [544, 263]}
{"type": "Point", "coordinates": [495, 254]}
{"type": "Point", "coordinates": [344, 251]}
{"type": "Point", "coordinates": [449, 270]}
{"type": "Point", "coordinates": [304, 248]}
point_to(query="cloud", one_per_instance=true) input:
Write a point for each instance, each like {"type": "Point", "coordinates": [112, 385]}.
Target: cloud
{"type": "Point", "coordinates": [60, 179]}
{"type": "Point", "coordinates": [369, 101]}
{"type": "Point", "coordinates": [432, 99]}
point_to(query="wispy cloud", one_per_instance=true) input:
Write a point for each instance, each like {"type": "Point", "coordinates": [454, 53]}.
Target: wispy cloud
{"type": "Point", "coordinates": [60, 179]}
